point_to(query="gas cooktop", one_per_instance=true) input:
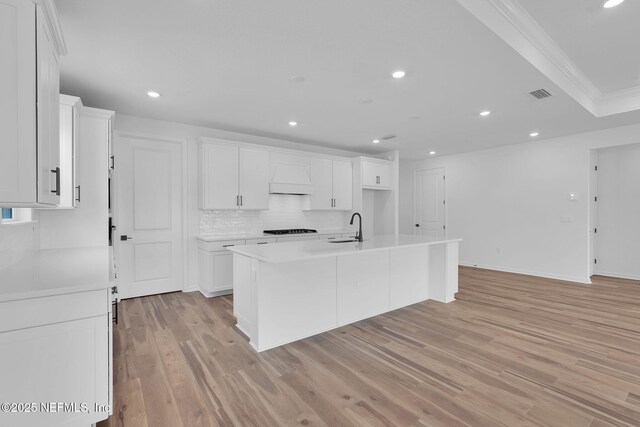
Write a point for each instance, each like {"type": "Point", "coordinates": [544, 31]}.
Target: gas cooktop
{"type": "Point", "coordinates": [290, 231]}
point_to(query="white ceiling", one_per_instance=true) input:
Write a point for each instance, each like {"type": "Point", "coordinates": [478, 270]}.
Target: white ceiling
{"type": "Point", "coordinates": [227, 64]}
{"type": "Point", "coordinates": [603, 43]}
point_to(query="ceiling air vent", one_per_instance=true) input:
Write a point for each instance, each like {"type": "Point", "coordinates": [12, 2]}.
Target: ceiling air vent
{"type": "Point", "coordinates": [388, 137]}
{"type": "Point", "coordinates": [540, 94]}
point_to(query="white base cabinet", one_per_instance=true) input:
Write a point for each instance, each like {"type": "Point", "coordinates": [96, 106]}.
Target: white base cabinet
{"type": "Point", "coordinates": [55, 351]}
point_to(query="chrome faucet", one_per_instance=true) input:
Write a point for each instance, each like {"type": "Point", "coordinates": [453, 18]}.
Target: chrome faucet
{"type": "Point", "coordinates": [359, 234]}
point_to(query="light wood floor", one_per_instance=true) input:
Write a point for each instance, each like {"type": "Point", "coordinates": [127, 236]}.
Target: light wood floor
{"type": "Point", "coordinates": [512, 350]}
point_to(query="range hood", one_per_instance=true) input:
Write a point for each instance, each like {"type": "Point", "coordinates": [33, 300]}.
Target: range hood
{"type": "Point", "coordinates": [290, 178]}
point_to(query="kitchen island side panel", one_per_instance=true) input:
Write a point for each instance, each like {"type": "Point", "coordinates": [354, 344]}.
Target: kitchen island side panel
{"type": "Point", "coordinates": [295, 300]}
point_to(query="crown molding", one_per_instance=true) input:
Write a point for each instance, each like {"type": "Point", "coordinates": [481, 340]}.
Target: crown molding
{"type": "Point", "coordinates": [50, 12]}
{"type": "Point", "coordinates": [513, 24]}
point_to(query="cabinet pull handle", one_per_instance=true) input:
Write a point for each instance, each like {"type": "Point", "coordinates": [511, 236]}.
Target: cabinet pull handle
{"type": "Point", "coordinates": [57, 172]}
{"type": "Point", "coordinates": [377, 179]}
{"type": "Point", "coordinates": [226, 246]}
{"type": "Point", "coordinates": [78, 198]}
{"type": "Point", "coordinates": [240, 200]}
{"type": "Point", "coordinates": [113, 162]}
{"type": "Point", "coordinates": [237, 200]}
{"type": "Point", "coordinates": [262, 243]}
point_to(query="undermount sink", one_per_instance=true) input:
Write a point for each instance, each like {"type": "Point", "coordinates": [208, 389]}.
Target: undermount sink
{"type": "Point", "coordinates": [343, 241]}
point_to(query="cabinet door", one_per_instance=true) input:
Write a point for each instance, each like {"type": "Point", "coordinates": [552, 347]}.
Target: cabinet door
{"type": "Point", "coordinates": [342, 185]}
{"type": "Point", "coordinates": [218, 176]}
{"type": "Point", "coordinates": [369, 174]}
{"type": "Point", "coordinates": [62, 362]}
{"type": "Point", "coordinates": [254, 179]}
{"type": "Point", "coordinates": [222, 271]}
{"type": "Point", "coordinates": [48, 107]}
{"type": "Point", "coordinates": [322, 181]}
{"type": "Point", "coordinates": [67, 168]}
{"type": "Point", "coordinates": [384, 175]}
{"type": "Point", "coordinates": [17, 101]}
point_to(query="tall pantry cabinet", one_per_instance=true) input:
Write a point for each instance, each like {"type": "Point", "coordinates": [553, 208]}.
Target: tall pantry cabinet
{"type": "Point", "coordinates": [31, 44]}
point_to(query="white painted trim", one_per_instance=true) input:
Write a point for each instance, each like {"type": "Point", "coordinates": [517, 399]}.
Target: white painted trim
{"type": "Point", "coordinates": [576, 279]}
{"type": "Point", "coordinates": [269, 148]}
{"type": "Point", "coordinates": [97, 113]}
{"type": "Point", "coordinates": [50, 12]}
{"type": "Point", "coordinates": [617, 275]}
{"type": "Point", "coordinates": [215, 294]}
{"type": "Point", "coordinates": [513, 24]}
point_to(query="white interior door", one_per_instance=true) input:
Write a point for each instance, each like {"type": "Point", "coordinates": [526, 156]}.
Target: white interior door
{"type": "Point", "coordinates": [149, 196]}
{"type": "Point", "coordinates": [593, 194]}
{"type": "Point", "coordinates": [429, 216]}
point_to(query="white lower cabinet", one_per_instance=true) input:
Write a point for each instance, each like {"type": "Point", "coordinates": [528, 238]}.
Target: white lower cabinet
{"type": "Point", "coordinates": [54, 351]}
{"type": "Point", "coordinates": [215, 266]}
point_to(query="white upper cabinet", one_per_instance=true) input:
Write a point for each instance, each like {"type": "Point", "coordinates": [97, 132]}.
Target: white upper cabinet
{"type": "Point", "coordinates": [332, 184]}
{"type": "Point", "coordinates": [70, 187]}
{"type": "Point", "coordinates": [31, 45]}
{"type": "Point", "coordinates": [376, 174]}
{"type": "Point", "coordinates": [218, 176]}
{"type": "Point", "coordinates": [342, 185]}
{"type": "Point", "coordinates": [254, 179]}
{"type": "Point", "coordinates": [233, 177]}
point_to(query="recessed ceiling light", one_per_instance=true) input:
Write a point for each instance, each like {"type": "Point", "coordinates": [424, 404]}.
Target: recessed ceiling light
{"type": "Point", "coordinates": [375, 141]}
{"type": "Point", "coordinates": [153, 94]}
{"type": "Point", "coordinates": [293, 124]}
{"type": "Point", "coordinates": [398, 74]}
{"type": "Point", "coordinates": [432, 152]}
{"type": "Point", "coordinates": [296, 79]}
{"type": "Point", "coordinates": [534, 134]}
{"type": "Point", "coordinates": [612, 3]}
{"type": "Point", "coordinates": [485, 113]}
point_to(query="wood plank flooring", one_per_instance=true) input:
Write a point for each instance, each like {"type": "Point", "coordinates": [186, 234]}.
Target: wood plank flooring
{"type": "Point", "coordinates": [511, 351]}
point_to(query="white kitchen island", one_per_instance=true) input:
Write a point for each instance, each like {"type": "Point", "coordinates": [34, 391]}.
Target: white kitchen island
{"type": "Point", "coordinates": [288, 291]}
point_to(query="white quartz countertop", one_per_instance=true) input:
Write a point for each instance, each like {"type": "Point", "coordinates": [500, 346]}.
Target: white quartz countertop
{"type": "Point", "coordinates": [217, 238]}
{"type": "Point", "coordinates": [57, 272]}
{"type": "Point", "coordinates": [300, 251]}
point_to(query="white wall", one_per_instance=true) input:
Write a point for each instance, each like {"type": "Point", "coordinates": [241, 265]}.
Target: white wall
{"type": "Point", "coordinates": [132, 125]}
{"type": "Point", "coordinates": [18, 241]}
{"type": "Point", "coordinates": [618, 212]}
{"type": "Point", "coordinates": [510, 204]}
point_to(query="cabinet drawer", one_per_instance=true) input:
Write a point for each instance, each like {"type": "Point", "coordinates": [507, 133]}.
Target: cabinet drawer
{"type": "Point", "coordinates": [262, 241]}
{"type": "Point", "coordinates": [296, 238]}
{"type": "Point", "coordinates": [220, 245]}
{"type": "Point", "coordinates": [28, 313]}
{"type": "Point", "coordinates": [331, 236]}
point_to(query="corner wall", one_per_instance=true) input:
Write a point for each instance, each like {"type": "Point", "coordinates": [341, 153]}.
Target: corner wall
{"type": "Point", "coordinates": [511, 204]}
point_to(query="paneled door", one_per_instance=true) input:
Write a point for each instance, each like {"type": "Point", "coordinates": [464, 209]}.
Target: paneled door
{"type": "Point", "coordinates": [149, 233]}
{"type": "Point", "coordinates": [429, 216]}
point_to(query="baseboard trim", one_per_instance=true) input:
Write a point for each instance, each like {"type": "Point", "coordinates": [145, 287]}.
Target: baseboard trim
{"type": "Point", "coordinates": [617, 275]}
{"type": "Point", "coordinates": [215, 294]}
{"type": "Point", "coordinates": [575, 279]}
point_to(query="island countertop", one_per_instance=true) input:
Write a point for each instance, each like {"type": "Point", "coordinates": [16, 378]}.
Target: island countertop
{"type": "Point", "coordinates": [57, 272]}
{"type": "Point", "coordinates": [298, 251]}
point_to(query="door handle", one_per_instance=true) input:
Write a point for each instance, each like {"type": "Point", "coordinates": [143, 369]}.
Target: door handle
{"type": "Point", "coordinates": [417, 225]}
{"type": "Point", "coordinates": [78, 188]}
{"type": "Point", "coordinates": [124, 237]}
{"type": "Point", "coordinates": [57, 172]}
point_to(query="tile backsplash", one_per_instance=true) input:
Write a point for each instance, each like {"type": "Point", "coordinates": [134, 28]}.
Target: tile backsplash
{"type": "Point", "coordinates": [285, 211]}
{"type": "Point", "coordinates": [17, 241]}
